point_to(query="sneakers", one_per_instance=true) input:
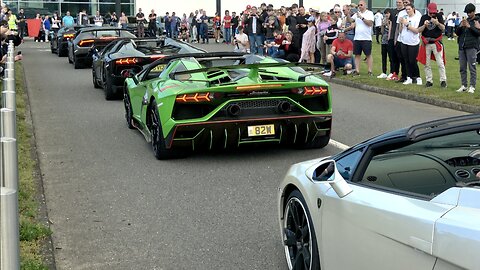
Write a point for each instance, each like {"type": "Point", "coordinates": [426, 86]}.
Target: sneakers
{"type": "Point", "coordinates": [349, 72]}
{"type": "Point", "coordinates": [355, 73]}
{"type": "Point", "coordinates": [401, 80]}
{"type": "Point", "coordinates": [408, 81]}
{"type": "Point", "coordinates": [330, 74]}
{"type": "Point", "coordinates": [428, 84]}
{"type": "Point", "coordinates": [462, 88]}
{"type": "Point", "coordinates": [389, 77]}
{"type": "Point", "coordinates": [443, 84]}
{"type": "Point", "coordinates": [471, 90]}
{"type": "Point", "coordinates": [419, 81]}
{"type": "Point", "coordinates": [370, 74]}
{"type": "Point", "coordinates": [382, 76]}
{"type": "Point", "coordinates": [394, 77]}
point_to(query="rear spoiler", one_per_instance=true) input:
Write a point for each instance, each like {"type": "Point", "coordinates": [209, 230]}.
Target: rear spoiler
{"type": "Point", "coordinates": [254, 68]}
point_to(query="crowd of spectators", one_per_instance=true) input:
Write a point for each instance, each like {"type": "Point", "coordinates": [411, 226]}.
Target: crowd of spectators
{"type": "Point", "coordinates": [340, 38]}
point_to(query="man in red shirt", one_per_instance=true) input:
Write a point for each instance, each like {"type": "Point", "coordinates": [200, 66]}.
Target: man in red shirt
{"type": "Point", "coordinates": [340, 55]}
{"type": "Point", "coordinates": [227, 27]}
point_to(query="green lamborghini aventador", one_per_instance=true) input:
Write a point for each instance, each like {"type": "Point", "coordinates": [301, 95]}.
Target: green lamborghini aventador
{"type": "Point", "coordinates": [183, 103]}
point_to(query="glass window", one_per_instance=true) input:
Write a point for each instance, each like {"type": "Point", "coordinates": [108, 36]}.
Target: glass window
{"type": "Point", "coordinates": [427, 167]}
{"type": "Point", "coordinates": [346, 164]}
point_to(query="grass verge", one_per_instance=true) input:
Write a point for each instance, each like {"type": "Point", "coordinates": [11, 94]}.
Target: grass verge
{"type": "Point", "coordinates": [33, 232]}
{"type": "Point", "coordinates": [452, 72]}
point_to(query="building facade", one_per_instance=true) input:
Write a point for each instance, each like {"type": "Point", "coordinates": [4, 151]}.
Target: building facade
{"type": "Point", "coordinates": [130, 7]}
{"type": "Point", "coordinates": [44, 7]}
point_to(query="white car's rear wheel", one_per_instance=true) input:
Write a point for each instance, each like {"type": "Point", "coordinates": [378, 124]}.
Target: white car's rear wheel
{"type": "Point", "coordinates": [299, 240]}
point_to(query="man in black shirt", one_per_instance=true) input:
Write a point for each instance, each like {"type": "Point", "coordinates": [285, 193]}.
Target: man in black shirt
{"type": "Point", "coordinates": [140, 23]}
{"type": "Point", "coordinates": [395, 52]}
{"type": "Point", "coordinates": [234, 23]}
{"type": "Point", "coordinates": [302, 24]}
{"type": "Point", "coordinates": [432, 26]}
{"type": "Point", "coordinates": [21, 23]}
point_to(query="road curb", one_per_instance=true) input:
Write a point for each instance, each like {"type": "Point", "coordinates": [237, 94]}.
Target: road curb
{"type": "Point", "coordinates": [409, 96]}
{"type": "Point", "coordinates": [47, 248]}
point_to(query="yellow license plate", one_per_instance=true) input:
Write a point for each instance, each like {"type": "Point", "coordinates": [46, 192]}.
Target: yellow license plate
{"type": "Point", "coordinates": [261, 130]}
{"type": "Point", "coordinates": [158, 68]}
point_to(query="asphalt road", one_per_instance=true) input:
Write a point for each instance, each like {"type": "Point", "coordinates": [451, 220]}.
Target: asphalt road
{"type": "Point", "coordinates": [114, 206]}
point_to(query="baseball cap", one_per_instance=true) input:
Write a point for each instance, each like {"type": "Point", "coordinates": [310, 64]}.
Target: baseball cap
{"type": "Point", "coordinates": [469, 8]}
{"type": "Point", "coordinates": [248, 7]}
{"type": "Point", "coordinates": [432, 8]}
{"type": "Point", "coordinates": [311, 19]}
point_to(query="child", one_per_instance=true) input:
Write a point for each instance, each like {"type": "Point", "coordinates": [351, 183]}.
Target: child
{"type": "Point", "coordinates": [184, 32]}
{"type": "Point", "coordinates": [385, 29]}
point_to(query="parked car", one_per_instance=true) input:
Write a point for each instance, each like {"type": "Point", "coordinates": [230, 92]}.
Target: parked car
{"type": "Point", "coordinates": [59, 39]}
{"type": "Point", "coordinates": [184, 103]}
{"type": "Point", "coordinates": [408, 199]}
{"type": "Point", "coordinates": [130, 54]}
{"type": "Point", "coordinates": [80, 48]}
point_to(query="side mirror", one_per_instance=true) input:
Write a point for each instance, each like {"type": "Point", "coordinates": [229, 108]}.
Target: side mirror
{"type": "Point", "coordinates": [327, 172]}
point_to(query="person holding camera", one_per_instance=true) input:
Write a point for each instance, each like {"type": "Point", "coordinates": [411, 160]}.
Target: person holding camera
{"type": "Point", "coordinates": [253, 24]}
{"type": "Point", "coordinates": [240, 41]}
{"type": "Point", "coordinates": [431, 27]}
{"type": "Point", "coordinates": [468, 33]}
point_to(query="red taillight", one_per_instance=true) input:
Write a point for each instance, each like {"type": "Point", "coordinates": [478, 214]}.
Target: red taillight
{"type": "Point", "coordinates": [68, 36]}
{"type": "Point", "coordinates": [86, 42]}
{"type": "Point", "coordinates": [127, 61]}
{"type": "Point", "coordinates": [195, 97]}
{"type": "Point", "coordinates": [310, 90]}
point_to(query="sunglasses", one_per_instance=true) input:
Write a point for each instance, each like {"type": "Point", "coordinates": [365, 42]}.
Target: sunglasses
{"type": "Point", "coordinates": [360, 5]}
{"type": "Point", "coordinates": [337, 11]}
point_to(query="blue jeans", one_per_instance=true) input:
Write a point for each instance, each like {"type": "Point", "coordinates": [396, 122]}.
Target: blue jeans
{"type": "Point", "coordinates": [169, 30]}
{"type": "Point", "coordinates": [256, 44]}
{"type": "Point", "coordinates": [278, 54]}
{"type": "Point", "coordinates": [227, 35]}
{"type": "Point", "coordinates": [204, 32]}
{"type": "Point", "coordinates": [174, 31]}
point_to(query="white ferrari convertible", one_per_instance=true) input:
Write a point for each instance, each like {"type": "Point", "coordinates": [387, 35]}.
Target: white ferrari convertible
{"type": "Point", "coordinates": [408, 199]}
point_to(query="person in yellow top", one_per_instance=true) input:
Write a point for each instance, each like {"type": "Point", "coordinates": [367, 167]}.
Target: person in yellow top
{"type": "Point", "coordinates": [12, 21]}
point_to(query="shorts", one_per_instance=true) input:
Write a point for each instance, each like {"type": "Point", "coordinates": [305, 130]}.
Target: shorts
{"type": "Point", "coordinates": [362, 45]}
{"type": "Point", "coordinates": [342, 62]}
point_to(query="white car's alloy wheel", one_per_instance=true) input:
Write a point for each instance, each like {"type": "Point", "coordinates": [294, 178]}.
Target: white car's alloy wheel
{"type": "Point", "coordinates": [300, 248]}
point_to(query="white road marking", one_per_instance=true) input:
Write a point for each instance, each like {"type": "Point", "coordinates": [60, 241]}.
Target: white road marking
{"type": "Point", "coordinates": [339, 145]}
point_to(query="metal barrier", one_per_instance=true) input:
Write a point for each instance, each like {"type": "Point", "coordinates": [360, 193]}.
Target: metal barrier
{"type": "Point", "coordinates": [9, 215]}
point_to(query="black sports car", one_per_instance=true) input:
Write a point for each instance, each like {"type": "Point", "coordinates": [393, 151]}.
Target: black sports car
{"type": "Point", "coordinates": [130, 54]}
{"type": "Point", "coordinates": [80, 48]}
{"type": "Point", "coordinates": [59, 39]}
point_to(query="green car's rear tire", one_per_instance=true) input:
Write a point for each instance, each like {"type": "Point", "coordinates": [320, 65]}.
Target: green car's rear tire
{"type": "Point", "coordinates": [299, 239]}
{"type": "Point", "coordinates": [158, 142]}
{"type": "Point", "coordinates": [128, 109]}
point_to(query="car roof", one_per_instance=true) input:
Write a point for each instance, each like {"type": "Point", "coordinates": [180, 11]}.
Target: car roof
{"type": "Point", "coordinates": [429, 129]}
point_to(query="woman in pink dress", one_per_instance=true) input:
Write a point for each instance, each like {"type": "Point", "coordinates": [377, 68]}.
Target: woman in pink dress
{"type": "Point", "coordinates": [309, 42]}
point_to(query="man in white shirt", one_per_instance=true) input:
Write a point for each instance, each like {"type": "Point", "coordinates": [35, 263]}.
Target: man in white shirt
{"type": "Point", "coordinates": [98, 19]}
{"type": "Point", "coordinates": [241, 41]}
{"type": "Point", "coordinates": [362, 42]}
{"type": "Point", "coordinates": [378, 24]}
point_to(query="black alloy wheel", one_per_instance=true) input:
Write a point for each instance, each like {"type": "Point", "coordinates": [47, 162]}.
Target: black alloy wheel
{"type": "Point", "coordinates": [108, 88]}
{"type": "Point", "coordinates": [299, 238]}
{"type": "Point", "coordinates": [158, 142]}
{"type": "Point", "coordinates": [76, 64]}
{"type": "Point", "coordinates": [128, 109]}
